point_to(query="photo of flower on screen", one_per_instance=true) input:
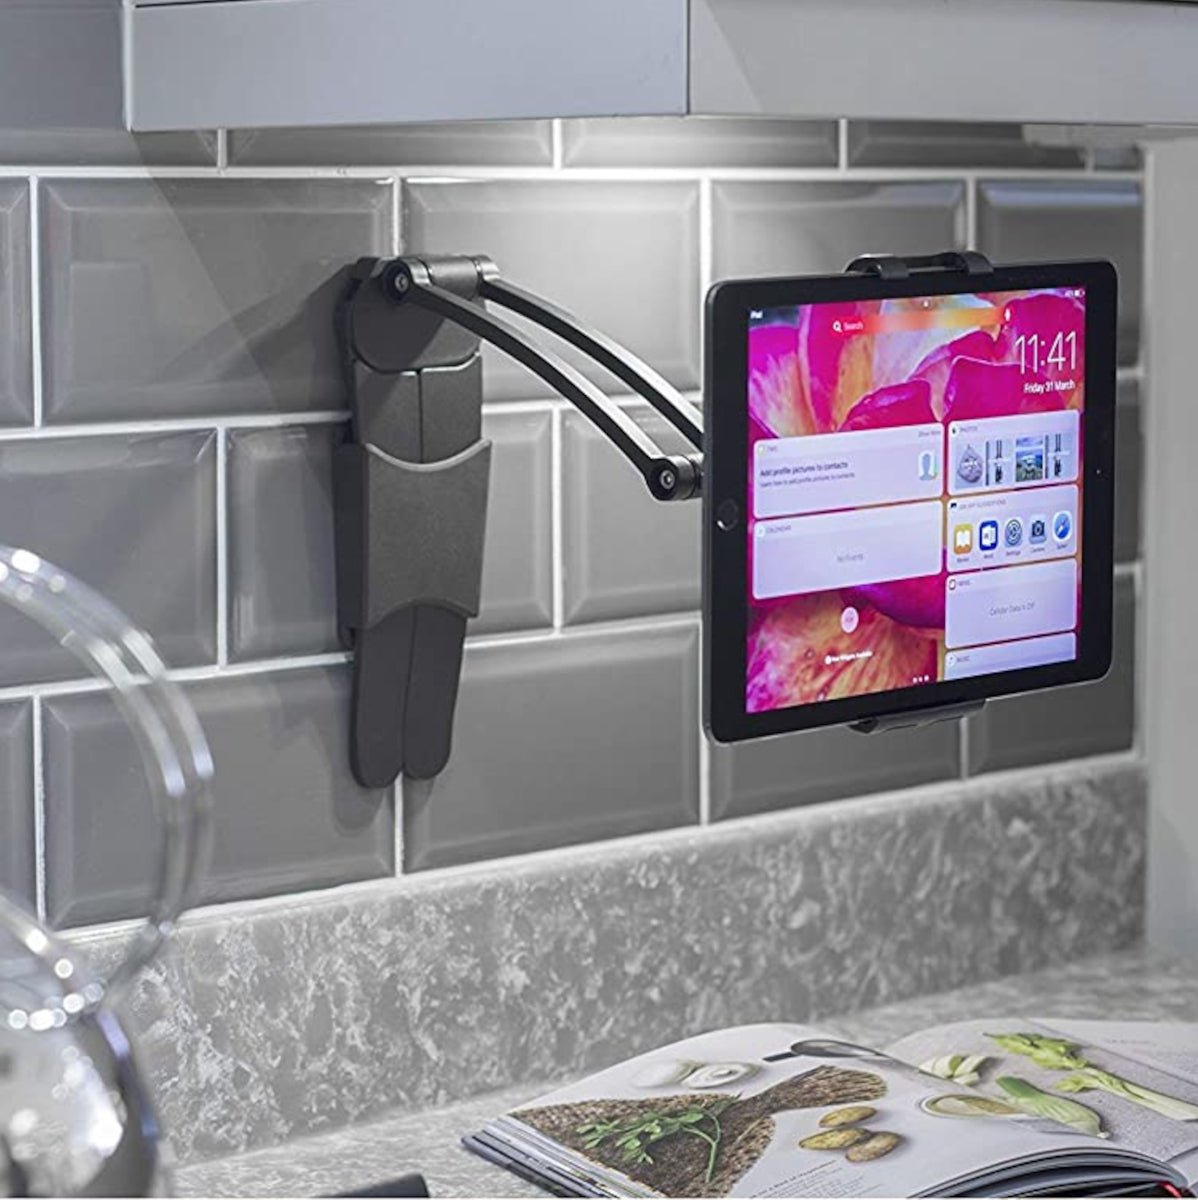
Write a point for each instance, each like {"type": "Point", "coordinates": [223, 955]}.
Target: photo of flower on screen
{"type": "Point", "coordinates": [890, 441]}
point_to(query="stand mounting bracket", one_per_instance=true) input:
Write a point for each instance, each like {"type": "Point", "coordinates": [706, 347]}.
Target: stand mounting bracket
{"type": "Point", "coordinates": [410, 484]}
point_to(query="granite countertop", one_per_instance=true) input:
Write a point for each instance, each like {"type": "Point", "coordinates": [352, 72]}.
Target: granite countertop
{"type": "Point", "coordinates": [1137, 984]}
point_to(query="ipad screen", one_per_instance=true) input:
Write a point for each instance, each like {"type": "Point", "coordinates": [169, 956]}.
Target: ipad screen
{"type": "Point", "coordinates": [915, 470]}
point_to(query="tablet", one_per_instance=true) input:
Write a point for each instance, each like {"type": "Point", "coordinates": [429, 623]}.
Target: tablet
{"type": "Point", "coordinates": [908, 492]}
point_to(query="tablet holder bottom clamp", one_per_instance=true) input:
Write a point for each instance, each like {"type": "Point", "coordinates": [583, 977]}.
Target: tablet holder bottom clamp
{"type": "Point", "coordinates": [410, 483]}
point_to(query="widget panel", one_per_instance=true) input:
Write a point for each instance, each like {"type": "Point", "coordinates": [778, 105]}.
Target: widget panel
{"type": "Point", "coordinates": [843, 470]}
{"type": "Point", "coordinates": [1009, 603]}
{"type": "Point", "coordinates": [845, 549]}
{"type": "Point", "coordinates": [1011, 527]}
{"type": "Point", "coordinates": [1001, 453]}
{"type": "Point", "coordinates": [1010, 656]}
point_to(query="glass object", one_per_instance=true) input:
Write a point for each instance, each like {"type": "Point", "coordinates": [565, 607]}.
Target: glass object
{"type": "Point", "coordinates": [74, 1114]}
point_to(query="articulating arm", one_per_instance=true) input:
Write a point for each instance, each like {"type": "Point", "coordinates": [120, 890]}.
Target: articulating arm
{"type": "Point", "coordinates": [669, 477]}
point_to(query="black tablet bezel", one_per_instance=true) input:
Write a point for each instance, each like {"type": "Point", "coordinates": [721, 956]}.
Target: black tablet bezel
{"type": "Point", "coordinates": [725, 484]}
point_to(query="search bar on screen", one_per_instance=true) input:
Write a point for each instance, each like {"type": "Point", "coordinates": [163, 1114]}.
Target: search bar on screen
{"type": "Point", "coordinates": [916, 319]}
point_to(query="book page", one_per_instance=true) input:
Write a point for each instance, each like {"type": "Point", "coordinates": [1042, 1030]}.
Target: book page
{"type": "Point", "coordinates": [772, 1111]}
{"type": "Point", "coordinates": [1138, 1077]}
{"type": "Point", "coordinates": [1169, 1046]}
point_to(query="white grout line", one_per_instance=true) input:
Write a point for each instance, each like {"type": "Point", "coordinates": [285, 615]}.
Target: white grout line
{"type": "Point", "coordinates": [35, 297]}
{"type": "Point", "coordinates": [396, 215]}
{"type": "Point", "coordinates": [222, 547]}
{"type": "Point", "coordinates": [971, 214]}
{"type": "Point", "coordinates": [222, 149]}
{"type": "Point", "coordinates": [963, 748]}
{"type": "Point", "coordinates": [706, 241]}
{"type": "Point", "coordinates": [558, 141]}
{"type": "Point", "coordinates": [690, 174]}
{"type": "Point", "coordinates": [200, 674]}
{"type": "Point", "coordinates": [546, 635]}
{"type": "Point", "coordinates": [499, 408]}
{"type": "Point", "coordinates": [397, 810]}
{"type": "Point", "coordinates": [704, 780]}
{"type": "Point", "coordinates": [172, 425]}
{"type": "Point", "coordinates": [558, 567]}
{"type": "Point", "coordinates": [39, 809]}
{"type": "Point", "coordinates": [260, 666]}
{"type": "Point", "coordinates": [384, 173]}
{"type": "Point", "coordinates": [842, 144]}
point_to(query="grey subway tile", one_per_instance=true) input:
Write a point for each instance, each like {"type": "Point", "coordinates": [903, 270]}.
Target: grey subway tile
{"type": "Point", "coordinates": [192, 297]}
{"type": "Point", "coordinates": [105, 148]}
{"type": "Point", "coordinates": [951, 144]}
{"type": "Point", "coordinates": [1102, 147]}
{"type": "Point", "coordinates": [16, 326]}
{"type": "Point", "coordinates": [134, 517]}
{"type": "Point", "coordinates": [282, 579]}
{"type": "Point", "coordinates": [1117, 158]}
{"type": "Point", "coordinates": [623, 256]}
{"type": "Point", "coordinates": [282, 586]}
{"type": "Point", "coordinates": [623, 552]}
{"type": "Point", "coordinates": [1091, 718]}
{"type": "Point", "coordinates": [828, 764]}
{"type": "Point", "coordinates": [791, 228]}
{"type": "Point", "coordinates": [698, 142]}
{"type": "Point", "coordinates": [287, 814]}
{"type": "Point", "coordinates": [560, 741]}
{"type": "Point", "coordinates": [1129, 466]}
{"type": "Point", "coordinates": [18, 871]}
{"type": "Point", "coordinates": [61, 91]}
{"type": "Point", "coordinates": [443, 143]}
{"type": "Point", "coordinates": [1026, 220]}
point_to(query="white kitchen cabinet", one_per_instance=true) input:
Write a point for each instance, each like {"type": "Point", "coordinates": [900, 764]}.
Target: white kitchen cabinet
{"type": "Point", "coordinates": [193, 64]}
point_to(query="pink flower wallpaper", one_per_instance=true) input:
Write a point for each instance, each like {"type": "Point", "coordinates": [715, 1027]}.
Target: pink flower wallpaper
{"type": "Point", "coordinates": [804, 378]}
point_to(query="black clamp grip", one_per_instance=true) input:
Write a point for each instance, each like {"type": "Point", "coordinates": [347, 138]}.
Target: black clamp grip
{"type": "Point", "coordinates": [395, 522]}
{"type": "Point", "coordinates": [917, 718]}
{"type": "Point", "coordinates": [896, 266]}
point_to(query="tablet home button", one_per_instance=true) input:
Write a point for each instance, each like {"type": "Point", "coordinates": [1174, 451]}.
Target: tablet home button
{"type": "Point", "coordinates": [727, 515]}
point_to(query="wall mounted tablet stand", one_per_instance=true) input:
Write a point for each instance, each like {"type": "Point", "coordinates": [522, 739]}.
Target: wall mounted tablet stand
{"type": "Point", "coordinates": [892, 266]}
{"type": "Point", "coordinates": [410, 485]}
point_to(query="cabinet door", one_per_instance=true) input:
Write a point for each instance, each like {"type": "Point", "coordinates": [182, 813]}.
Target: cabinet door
{"type": "Point", "coordinates": [198, 64]}
{"type": "Point", "coordinates": [1067, 61]}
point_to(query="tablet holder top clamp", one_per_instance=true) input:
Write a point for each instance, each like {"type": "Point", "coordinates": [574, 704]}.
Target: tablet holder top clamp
{"type": "Point", "coordinates": [410, 483]}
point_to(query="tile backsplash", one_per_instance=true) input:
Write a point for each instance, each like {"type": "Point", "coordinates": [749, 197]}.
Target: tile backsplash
{"type": "Point", "coordinates": [170, 398]}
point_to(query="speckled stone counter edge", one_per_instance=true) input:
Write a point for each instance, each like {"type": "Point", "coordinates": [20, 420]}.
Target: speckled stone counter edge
{"type": "Point", "coordinates": [1135, 984]}
{"type": "Point", "coordinates": [276, 1021]}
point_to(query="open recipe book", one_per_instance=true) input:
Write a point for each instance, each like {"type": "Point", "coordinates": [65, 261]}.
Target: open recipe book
{"type": "Point", "coordinates": [984, 1108]}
